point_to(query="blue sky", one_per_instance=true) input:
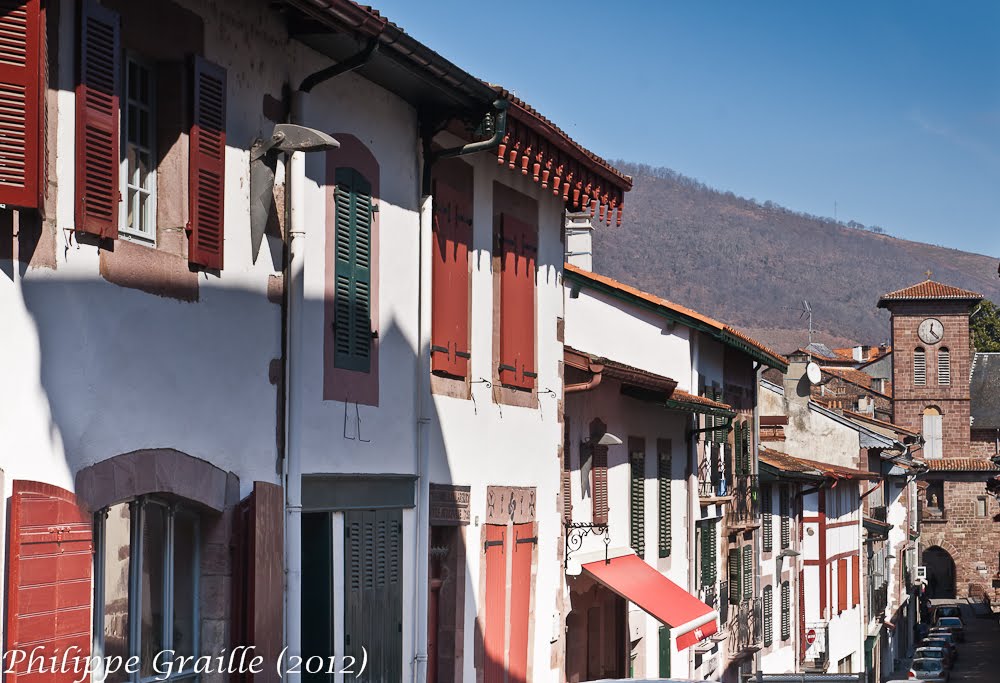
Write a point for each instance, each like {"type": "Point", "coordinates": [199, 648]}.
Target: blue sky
{"type": "Point", "coordinates": [889, 109]}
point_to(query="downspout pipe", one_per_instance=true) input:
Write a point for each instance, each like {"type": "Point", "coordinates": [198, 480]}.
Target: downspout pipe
{"type": "Point", "coordinates": [294, 303]}
{"type": "Point", "coordinates": [592, 383]}
{"type": "Point", "coordinates": [423, 379]}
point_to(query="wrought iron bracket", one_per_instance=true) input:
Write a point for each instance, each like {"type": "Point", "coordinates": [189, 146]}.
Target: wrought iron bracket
{"type": "Point", "coordinates": [577, 531]}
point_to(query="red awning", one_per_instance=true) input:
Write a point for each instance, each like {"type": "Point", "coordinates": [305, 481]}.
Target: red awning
{"type": "Point", "coordinates": [689, 618]}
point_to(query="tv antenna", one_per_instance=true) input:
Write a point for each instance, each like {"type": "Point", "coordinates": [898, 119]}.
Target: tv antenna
{"type": "Point", "coordinates": [806, 310]}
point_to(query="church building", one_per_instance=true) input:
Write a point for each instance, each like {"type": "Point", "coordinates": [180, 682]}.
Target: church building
{"type": "Point", "coordinates": [946, 391]}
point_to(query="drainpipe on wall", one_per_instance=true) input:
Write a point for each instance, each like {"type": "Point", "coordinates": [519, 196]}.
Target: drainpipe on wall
{"type": "Point", "coordinates": [423, 370]}
{"type": "Point", "coordinates": [294, 294]}
{"type": "Point", "coordinates": [755, 468]}
{"type": "Point", "coordinates": [692, 485]}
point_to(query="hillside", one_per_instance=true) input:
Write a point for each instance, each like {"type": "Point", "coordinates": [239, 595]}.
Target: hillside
{"type": "Point", "coordinates": [750, 264]}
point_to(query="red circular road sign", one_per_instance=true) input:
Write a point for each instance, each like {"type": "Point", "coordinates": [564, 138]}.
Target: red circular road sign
{"type": "Point", "coordinates": [811, 636]}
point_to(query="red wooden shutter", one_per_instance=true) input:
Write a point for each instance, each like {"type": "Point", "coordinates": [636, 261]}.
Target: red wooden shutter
{"type": "Point", "coordinates": [496, 602]}
{"type": "Point", "coordinates": [49, 590]}
{"type": "Point", "coordinates": [599, 468]}
{"type": "Point", "coordinates": [841, 585]}
{"type": "Point", "coordinates": [207, 165]}
{"type": "Point", "coordinates": [258, 577]}
{"type": "Point", "coordinates": [450, 285]}
{"type": "Point", "coordinates": [97, 156]}
{"type": "Point", "coordinates": [802, 614]}
{"type": "Point", "coordinates": [520, 601]}
{"type": "Point", "coordinates": [856, 589]}
{"type": "Point", "coordinates": [518, 249]}
{"type": "Point", "coordinates": [21, 98]}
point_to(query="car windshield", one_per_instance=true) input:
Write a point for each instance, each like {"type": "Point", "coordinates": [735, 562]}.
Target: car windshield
{"type": "Point", "coordinates": [930, 652]}
{"type": "Point", "coordinates": [936, 642]}
{"type": "Point", "coordinates": [950, 621]}
{"type": "Point", "coordinates": [926, 665]}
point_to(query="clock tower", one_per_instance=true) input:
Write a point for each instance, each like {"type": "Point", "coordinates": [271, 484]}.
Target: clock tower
{"type": "Point", "coordinates": [931, 366]}
{"type": "Point", "coordinates": [931, 360]}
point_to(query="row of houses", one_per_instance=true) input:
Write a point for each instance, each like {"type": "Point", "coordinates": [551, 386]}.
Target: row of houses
{"type": "Point", "coordinates": [307, 354]}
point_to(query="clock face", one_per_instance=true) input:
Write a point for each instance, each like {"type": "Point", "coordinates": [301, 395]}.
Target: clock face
{"type": "Point", "coordinates": [930, 331]}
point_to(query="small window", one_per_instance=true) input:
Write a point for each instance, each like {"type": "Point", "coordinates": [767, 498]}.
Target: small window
{"type": "Point", "coordinates": [981, 506]}
{"type": "Point", "coordinates": [944, 367]}
{"type": "Point", "coordinates": [138, 170]}
{"type": "Point", "coordinates": [919, 367]}
{"type": "Point", "coordinates": [933, 432]}
{"type": "Point", "coordinates": [146, 585]}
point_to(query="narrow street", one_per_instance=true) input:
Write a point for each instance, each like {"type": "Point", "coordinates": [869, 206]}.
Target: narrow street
{"type": "Point", "coordinates": [979, 658]}
{"type": "Point", "coordinates": [979, 655]}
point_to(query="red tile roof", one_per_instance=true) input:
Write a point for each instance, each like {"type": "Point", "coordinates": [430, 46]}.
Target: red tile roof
{"type": "Point", "coordinates": [675, 308]}
{"type": "Point", "coordinates": [788, 463]}
{"type": "Point", "coordinates": [960, 465]}
{"type": "Point", "coordinates": [881, 423]}
{"type": "Point", "coordinates": [681, 395]}
{"type": "Point", "coordinates": [627, 373]}
{"type": "Point", "coordinates": [929, 289]}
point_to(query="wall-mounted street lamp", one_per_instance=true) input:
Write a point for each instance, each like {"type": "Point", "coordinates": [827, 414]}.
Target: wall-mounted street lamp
{"type": "Point", "coordinates": [780, 560]}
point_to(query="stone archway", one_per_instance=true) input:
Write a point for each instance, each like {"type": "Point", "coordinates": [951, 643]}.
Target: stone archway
{"type": "Point", "coordinates": [940, 572]}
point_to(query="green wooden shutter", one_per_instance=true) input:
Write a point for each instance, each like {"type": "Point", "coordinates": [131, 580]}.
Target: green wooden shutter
{"type": "Point", "coordinates": [663, 494]}
{"type": "Point", "coordinates": [766, 510]}
{"type": "Point", "coordinates": [786, 615]}
{"type": "Point", "coordinates": [737, 450]}
{"type": "Point", "coordinates": [747, 448]}
{"type": "Point", "coordinates": [768, 616]}
{"type": "Point", "coordinates": [747, 572]}
{"type": "Point", "coordinates": [786, 525]}
{"type": "Point", "coordinates": [709, 564]}
{"type": "Point", "coordinates": [720, 422]}
{"type": "Point", "coordinates": [352, 327]}
{"type": "Point", "coordinates": [637, 504]}
{"type": "Point", "coordinates": [734, 575]}
{"type": "Point", "coordinates": [664, 652]}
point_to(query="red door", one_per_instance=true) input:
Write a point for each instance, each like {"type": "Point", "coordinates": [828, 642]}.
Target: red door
{"type": "Point", "coordinates": [49, 590]}
{"type": "Point", "coordinates": [520, 601]}
{"type": "Point", "coordinates": [495, 548]}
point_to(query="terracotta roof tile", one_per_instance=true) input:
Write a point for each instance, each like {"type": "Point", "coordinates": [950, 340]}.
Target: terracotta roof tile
{"type": "Point", "coordinates": [929, 289]}
{"type": "Point", "coordinates": [882, 423]}
{"type": "Point", "coordinates": [681, 395]}
{"type": "Point", "coordinates": [789, 463]}
{"type": "Point", "coordinates": [671, 306]}
{"type": "Point", "coordinates": [960, 465]}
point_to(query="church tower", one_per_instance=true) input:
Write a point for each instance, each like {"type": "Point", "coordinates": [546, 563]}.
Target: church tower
{"type": "Point", "coordinates": [932, 361]}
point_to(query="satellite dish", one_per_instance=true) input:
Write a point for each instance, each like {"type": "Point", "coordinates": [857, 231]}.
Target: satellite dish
{"type": "Point", "coordinates": [813, 373]}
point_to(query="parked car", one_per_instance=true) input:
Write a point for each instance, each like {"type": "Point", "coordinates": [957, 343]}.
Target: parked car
{"type": "Point", "coordinates": [945, 611]}
{"type": "Point", "coordinates": [930, 671]}
{"type": "Point", "coordinates": [942, 640]}
{"type": "Point", "coordinates": [942, 653]}
{"type": "Point", "coordinates": [955, 625]}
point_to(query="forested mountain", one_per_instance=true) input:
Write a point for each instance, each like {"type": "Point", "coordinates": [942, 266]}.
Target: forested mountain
{"type": "Point", "coordinates": [751, 264]}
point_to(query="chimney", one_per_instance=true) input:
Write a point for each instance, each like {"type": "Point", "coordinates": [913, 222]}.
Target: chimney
{"type": "Point", "coordinates": [798, 388]}
{"type": "Point", "coordinates": [859, 353]}
{"type": "Point", "coordinates": [579, 240]}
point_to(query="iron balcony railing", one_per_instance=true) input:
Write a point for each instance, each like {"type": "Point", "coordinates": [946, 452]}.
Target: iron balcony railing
{"type": "Point", "coordinates": [745, 628]}
{"type": "Point", "coordinates": [745, 508]}
{"type": "Point", "coordinates": [878, 600]}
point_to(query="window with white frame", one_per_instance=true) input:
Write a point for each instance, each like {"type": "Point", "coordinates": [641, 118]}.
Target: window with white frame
{"type": "Point", "coordinates": [146, 586]}
{"type": "Point", "coordinates": [138, 170]}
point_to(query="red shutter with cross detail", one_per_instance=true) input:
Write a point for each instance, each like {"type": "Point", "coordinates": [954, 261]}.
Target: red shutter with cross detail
{"type": "Point", "coordinates": [841, 585]}
{"type": "Point", "coordinates": [49, 580]}
{"type": "Point", "coordinates": [450, 281]}
{"type": "Point", "coordinates": [856, 588]}
{"type": "Point", "coordinates": [22, 94]}
{"type": "Point", "coordinates": [520, 601]}
{"type": "Point", "coordinates": [518, 253]}
{"type": "Point", "coordinates": [97, 183]}
{"type": "Point", "coordinates": [207, 165]}
{"type": "Point", "coordinates": [495, 549]}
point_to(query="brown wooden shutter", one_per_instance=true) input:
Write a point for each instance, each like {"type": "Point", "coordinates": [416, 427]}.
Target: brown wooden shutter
{"type": "Point", "coordinates": [525, 538]}
{"type": "Point", "coordinates": [494, 631]}
{"type": "Point", "coordinates": [450, 281]}
{"type": "Point", "coordinates": [518, 249]}
{"type": "Point", "coordinates": [856, 589]}
{"type": "Point", "coordinates": [258, 577]}
{"type": "Point", "coordinates": [50, 587]}
{"type": "Point", "coordinates": [599, 493]}
{"type": "Point", "coordinates": [207, 159]}
{"type": "Point", "coordinates": [97, 155]}
{"type": "Point", "coordinates": [841, 585]}
{"type": "Point", "coordinates": [21, 101]}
